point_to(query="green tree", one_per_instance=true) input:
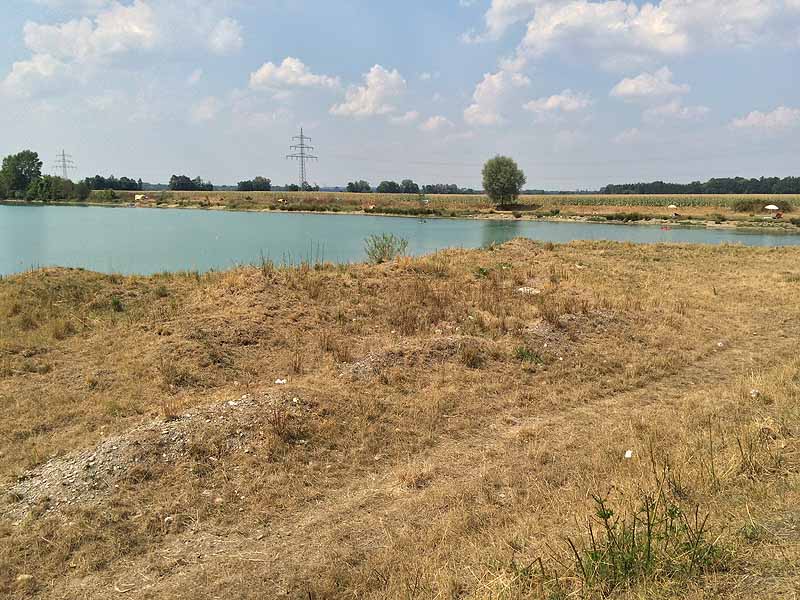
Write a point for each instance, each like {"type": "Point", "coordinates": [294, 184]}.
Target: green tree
{"type": "Point", "coordinates": [388, 187]}
{"type": "Point", "coordinates": [409, 187]}
{"type": "Point", "coordinates": [19, 171]}
{"type": "Point", "coordinates": [502, 180]}
{"type": "Point", "coordinates": [359, 187]}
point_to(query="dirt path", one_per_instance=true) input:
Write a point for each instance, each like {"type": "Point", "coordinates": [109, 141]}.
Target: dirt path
{"type": "Point", "coordinates": [363, 516]}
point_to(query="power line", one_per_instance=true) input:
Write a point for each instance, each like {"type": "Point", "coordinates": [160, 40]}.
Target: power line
{"type": "Point", "coordinates": [65, 164]}
{"type": "Point", "coordinates": [302, 156]}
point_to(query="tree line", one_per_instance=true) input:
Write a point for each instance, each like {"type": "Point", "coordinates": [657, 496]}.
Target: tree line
{"type": "Point", "coordinates": [725, 185]}
{"type": "Point", "coordinates": [407, 186]}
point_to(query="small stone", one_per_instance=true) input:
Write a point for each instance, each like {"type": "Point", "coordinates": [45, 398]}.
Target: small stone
{"type": "Point", "coordinates": [24, 579]}
{"type": "Point", "coordinates": [219, 501]}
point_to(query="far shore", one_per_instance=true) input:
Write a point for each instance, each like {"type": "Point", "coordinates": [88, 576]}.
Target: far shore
{"type": "Point", "coordinates": [642, 215]}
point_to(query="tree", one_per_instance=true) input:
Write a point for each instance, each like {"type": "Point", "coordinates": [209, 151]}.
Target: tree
{"type": "Point", "coordinates": [19, 171]}
{"type": "Point", "coordinates": [409, 187]}
{"type": "Point", "coordinates": [502, 180]}
{"type": "Point", "coordinates": [181, 183]}
{"type": "Point", "coordinates": [359, 187]}
{"type": "Point", "coordinates": [389, 187]}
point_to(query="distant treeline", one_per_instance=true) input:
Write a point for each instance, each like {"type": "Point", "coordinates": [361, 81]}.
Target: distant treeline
{"type": "Point", "coordinates": [407, 186]}
{"type": "Point", "coordinates": [182, 183]}
{"type": "Point", "coordinates": [112, 183]}
{"type": "Point", "coordinates": [727, 185]}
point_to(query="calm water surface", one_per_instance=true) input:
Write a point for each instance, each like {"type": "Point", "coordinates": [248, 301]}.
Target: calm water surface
{"type": "Point", "coordinates": [146, 241]}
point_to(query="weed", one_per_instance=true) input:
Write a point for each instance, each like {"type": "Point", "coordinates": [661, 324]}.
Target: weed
{"type": "Point", "coordinates": [116, 304]}
{"type": "Point", "coordinates": [524, 354]}
{"type": "Point", "coordinates": [161, 291]}
{"type": "Point", "coordinates": [659, 539]}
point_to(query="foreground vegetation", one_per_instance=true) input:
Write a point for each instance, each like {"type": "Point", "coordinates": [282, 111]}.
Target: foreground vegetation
{"type": "Point", "coordinates": [536, 421]}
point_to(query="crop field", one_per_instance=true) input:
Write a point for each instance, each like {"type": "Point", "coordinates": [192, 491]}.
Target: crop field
{"type": "Point", "coordinates": [453, 205]}
{"type": "Point", "coordinates": [590, 420]}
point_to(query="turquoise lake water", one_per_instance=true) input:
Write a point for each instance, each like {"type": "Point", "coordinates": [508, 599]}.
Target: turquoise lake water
{"type": "Point", "coordinates": [146, 241]}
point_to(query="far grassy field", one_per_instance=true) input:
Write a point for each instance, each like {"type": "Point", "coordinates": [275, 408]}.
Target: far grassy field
{"type": "Point", "coordinates": [740, 209]}
{"type": "Point", "coordinates": [592, 420]}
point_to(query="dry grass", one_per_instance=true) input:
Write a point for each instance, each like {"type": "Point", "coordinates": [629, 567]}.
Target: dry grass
{"type": "Point", "coordinates": [430, 409]}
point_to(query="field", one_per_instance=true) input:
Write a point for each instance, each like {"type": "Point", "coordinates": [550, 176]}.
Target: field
{"type": "Point", "coordinates": [592, 420]}
{"type": "Point", "coordinates": [738, 209]}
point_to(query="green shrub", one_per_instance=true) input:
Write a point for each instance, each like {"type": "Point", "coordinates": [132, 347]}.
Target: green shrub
{"type": "Point", "coordinates": [384, 247]}
{"type": "Point", "coordinates": [748, 205]}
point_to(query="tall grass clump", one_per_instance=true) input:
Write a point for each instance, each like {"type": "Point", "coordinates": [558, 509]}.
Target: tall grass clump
{"type": "Point", "coordinates": [384, 247]}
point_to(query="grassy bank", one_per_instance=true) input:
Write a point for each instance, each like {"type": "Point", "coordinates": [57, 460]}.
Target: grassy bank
{"type": "Point", "coordinates": [470, 407]}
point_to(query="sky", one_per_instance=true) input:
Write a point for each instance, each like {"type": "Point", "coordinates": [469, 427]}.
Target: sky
{"type": "Point", "coordinates": [581, 93]}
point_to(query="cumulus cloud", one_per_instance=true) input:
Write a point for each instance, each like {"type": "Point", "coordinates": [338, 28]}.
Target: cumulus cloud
{"type": "Point", "coordinates": [780, 120]}
{"type": "Point", "coordinates": [649, 85]}
{"type": "Point", "coordinates": [617, 33]}
{"type": "Point", "coordinates": [436, 123]}
{"type": "Point", "coordinates": [675, 109]}
{"type": "Point", "coordinates": [375, 97]}
{"type": "Point", "coordinates": [117, 30]}
{"type": "Point", "coordinates": [81, 46]}
{"type": "Point", "coordinates": [565, 102]}
{"type": "Point", "coordinates": [489, 96]}
{"type": "Point", "coordinates": [292, 72]}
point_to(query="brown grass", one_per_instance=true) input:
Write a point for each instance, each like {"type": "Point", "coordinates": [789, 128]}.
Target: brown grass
{"type": "Point", "coordinates": [415, 451]}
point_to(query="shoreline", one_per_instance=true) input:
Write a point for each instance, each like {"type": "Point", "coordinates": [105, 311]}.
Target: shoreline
{"type": "Point", "coordinates": [784, 227]}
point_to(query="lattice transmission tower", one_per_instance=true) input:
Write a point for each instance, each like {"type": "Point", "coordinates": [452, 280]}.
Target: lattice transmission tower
{"type": "Point", "coordinates": [64, 164]}
{"type": "Point", "coordinates": [302, 155]}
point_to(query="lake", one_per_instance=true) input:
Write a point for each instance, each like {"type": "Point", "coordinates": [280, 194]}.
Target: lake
{"type": "Point", "coordinates": [146, 241]}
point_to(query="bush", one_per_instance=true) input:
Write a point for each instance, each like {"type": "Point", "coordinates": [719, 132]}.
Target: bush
{"type": "Point", "coordinates": [757, 206]}
{"type": "Point", "coordinates": [384, 247]}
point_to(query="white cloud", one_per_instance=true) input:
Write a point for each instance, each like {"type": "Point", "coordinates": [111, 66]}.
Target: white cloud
{"type": "Point", "coordinates": [226, 37]}
{"type": "Point", "coordinates": [565, 102]}
{"type": "Point", "coordinates": [489, 95]}
{"type": "Point", "coordinates": [436, 123]}
{"type": "Point", "coordinates": [82, 47]}
{"type": "Point", "coordinates": [380, 88]}
{"type": "Point", "coordinates": [617, 33]}
{"type": "Point", "coordinates": [405, 119]}
{"type": "Point", "coordinates": [206, 109]}
{"type": "Point", "coordinates": [117, 30]}
{"type": "Point", "coordinates": [779, 120]}
{"type": "Point", "coordinates": [675, 109]}
{"type": "Point", "coordinates": [42, 72]}
{"type": "Point", "coordinates": [501, 15]}
{"type": "Point", "coordinates": [292, 72]}
{"type": "Point", "coordinates": [649, 85]}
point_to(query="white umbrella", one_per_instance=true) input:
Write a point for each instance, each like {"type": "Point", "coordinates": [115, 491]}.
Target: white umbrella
{"type": "Point", "coordinates": [772, 207]}
{"type": "Point", "coordinates": [673, 206]}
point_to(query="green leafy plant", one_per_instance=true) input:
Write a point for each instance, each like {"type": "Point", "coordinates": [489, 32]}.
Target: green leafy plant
{"type": "Point", "coordinates": [384, 247]}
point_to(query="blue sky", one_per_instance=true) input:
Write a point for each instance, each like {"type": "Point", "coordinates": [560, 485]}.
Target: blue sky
{"type": "Point", "coordinates": [582, 93]}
